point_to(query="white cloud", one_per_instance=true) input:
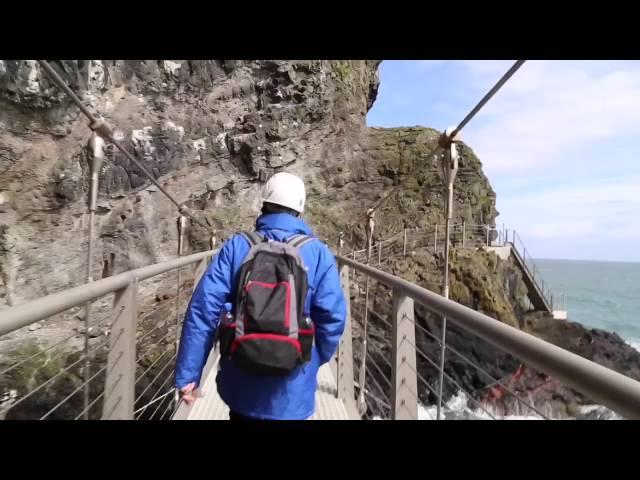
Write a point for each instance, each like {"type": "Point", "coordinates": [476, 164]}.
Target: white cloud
{"type": "Point", "coordinates": [561, 129]}
{"type": "Point", "coordinates": [550, 109]}
{"type": "Point", "coordinates": [609, 212]}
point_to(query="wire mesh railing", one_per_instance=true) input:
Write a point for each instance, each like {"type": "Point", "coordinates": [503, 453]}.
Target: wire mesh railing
{"type": "Point", "coordinates": [158, 335]}
{"type": "Point", "coordinates": [372, 379]}
{"type": "Point", "coordinates": [377, 386]}
{"type": "Point", "coordinates": [499, 370]}
{"type": "Point", "coordinates": [529, 263]}
{"type": "Point", "coordinates": [131, 353]}
{"type": "Point", "coordinates": [48, 381]}
{"type": "Point", "coordinates": [462, 235]}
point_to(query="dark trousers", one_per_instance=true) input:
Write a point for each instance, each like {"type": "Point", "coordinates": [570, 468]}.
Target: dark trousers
{"type": "Point", "coordinates": [239, 416]}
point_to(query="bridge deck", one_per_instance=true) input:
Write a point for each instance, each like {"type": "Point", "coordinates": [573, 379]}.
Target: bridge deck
{"type": "Point", "coordinates": [211, 406]}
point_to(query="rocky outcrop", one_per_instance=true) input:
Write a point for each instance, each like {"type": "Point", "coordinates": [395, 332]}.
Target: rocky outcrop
{"type": "Point", "coordinates": [399, 155]}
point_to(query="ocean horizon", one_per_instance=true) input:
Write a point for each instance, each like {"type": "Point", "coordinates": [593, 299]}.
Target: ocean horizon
{"type": "Point", "coordinates": [584, 260]}
{"type": "Point", "coordinates": [598, 294]}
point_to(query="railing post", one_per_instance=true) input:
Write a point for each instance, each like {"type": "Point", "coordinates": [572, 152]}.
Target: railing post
{"type": "Point", "coordinates": [200, 269]}
{"type": "Point", "coordinates": [344, 381]}
{"type": "Point", "coordinates": [379, 252]}
{"type": "Point", "coordinates": [404, 244]}
{"type": "Point", "coordinates": [95, 157]}
{"type": "Point", "coordinates": [487, 235]}
{"type": "Point", "coordinates": [435, 240]}
{"type": "Point", "coordinates": [119, 389]}
{"type": "Point", "coordinates": [181, 224]}
{"type": "Point", "coordinates": [354, 271]}
{"type": "Point", "coordinates": [464, 230]}
{"type": "Point", "coordinates": [404, 381]}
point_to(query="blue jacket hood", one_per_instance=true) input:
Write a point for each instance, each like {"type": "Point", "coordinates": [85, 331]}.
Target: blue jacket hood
{"type": "Point", "coordinates": [283, 222]}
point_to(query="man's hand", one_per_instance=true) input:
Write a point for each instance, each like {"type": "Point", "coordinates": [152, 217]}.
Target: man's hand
{"type": "Point", "coordinates": [188, 393]}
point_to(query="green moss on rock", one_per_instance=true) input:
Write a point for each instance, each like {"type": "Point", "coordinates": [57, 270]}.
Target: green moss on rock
{"type": "Point", "coordinates": [476, 284]}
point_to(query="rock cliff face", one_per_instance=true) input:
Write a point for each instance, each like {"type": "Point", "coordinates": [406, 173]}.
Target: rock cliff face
{"type": "Point", "coordinates": [211, 131]}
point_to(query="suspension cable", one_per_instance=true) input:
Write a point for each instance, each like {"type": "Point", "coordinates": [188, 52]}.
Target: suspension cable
{"type": "Point", "coordinates": [499, 84]}
{"type": "Point", "coordinates": [514, 68]}
{"type": "Point", "coordinates": [104, 130]}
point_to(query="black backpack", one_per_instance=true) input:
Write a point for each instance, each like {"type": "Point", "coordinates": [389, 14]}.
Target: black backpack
{"type": "Point", "coordinates": [268, 332]}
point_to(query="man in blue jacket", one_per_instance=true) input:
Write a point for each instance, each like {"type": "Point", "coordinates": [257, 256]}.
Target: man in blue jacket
{"type": "Point", "coordinates": [249, 395]}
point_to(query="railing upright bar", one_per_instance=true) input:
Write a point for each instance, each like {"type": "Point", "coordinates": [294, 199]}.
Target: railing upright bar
{"type": "Point", "coordinates": [345, 377]}
{"type": "Point", "coordinates": [404, 403]}
{"type": "Point", "coordinates": [121, 361]}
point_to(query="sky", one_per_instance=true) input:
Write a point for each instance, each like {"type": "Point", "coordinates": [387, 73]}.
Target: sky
{"type": "Point", "coordinates": [560, 144]}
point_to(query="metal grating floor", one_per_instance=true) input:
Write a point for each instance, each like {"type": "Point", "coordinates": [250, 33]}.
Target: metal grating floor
{"type": "Point", "coordinates": [211, 406]}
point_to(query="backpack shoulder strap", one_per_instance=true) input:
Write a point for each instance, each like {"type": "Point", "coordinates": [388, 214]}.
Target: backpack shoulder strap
{"type": "Point", "coordinates": [298, 241]}
{"type": "Point", "coordinates": [253, 238]}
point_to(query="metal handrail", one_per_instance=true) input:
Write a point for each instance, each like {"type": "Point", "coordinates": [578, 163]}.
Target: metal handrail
{"type": "Point", "coordinates": [479, 234]}
{"type": "Point", "coordinates": [601, 384]}
{"type": "Point", "coordinates": [518, 245]}
{"type": "Point", "coordinates": [416, 234]}
{"type": "Point", "coordinates": [36, 310]}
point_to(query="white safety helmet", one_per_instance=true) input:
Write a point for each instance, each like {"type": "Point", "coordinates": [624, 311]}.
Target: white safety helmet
{"type": "Point", "coordinates": [286, 190]}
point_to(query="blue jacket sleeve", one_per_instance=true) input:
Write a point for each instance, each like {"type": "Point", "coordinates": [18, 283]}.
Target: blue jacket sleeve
{"type": "Point", "coordinates": [328, 307]}
{"type": "Point", "coordinates": [203, 316]}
